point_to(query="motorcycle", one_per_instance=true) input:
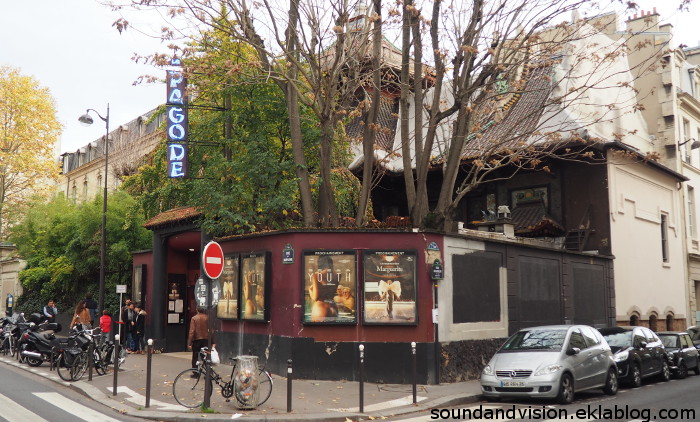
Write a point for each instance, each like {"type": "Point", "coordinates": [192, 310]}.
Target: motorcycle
{"type": "Point", "coordinates": [36, 342]}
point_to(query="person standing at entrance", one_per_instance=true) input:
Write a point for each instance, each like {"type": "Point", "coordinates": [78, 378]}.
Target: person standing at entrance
{"type": "Point", "coordinates": [91, 305]}
{"type": "Point", "coordinates": [199, 334]}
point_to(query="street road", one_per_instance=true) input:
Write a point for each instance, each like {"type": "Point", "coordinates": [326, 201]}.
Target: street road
{"type": "Point", "coordinates": [25, 397]}
{"type": "Point", "coordinates": [675, 400]}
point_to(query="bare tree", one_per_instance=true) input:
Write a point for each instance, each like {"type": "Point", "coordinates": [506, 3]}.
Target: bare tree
{"type": "Point", "coordinates": [465, 71]}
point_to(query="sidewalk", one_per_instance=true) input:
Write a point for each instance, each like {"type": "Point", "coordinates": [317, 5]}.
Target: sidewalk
{"type": "Point", "coordinates": [311, 399]}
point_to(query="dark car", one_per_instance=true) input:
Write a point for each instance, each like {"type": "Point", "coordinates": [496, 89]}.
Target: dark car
{"type": "Point", "coordinates": [694, 333]}
{"type": "Point", "coordinates": [682, 354]}
{"type": "Point", "coordinates": [639, 354]}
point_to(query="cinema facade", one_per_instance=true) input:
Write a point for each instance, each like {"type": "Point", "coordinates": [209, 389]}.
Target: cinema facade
{"type": "Point", "coordinates": [314, 296]}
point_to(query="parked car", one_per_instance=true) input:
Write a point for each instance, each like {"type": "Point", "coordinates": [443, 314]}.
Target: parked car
{"type": "Point", "coordinates": [550, 362]}
{"type": "Point", "coordinates": [694, 333]}
{"type": "Point", "coordinates": [682, 354]}
{"type": "Point", "coordinates": [638, 352]}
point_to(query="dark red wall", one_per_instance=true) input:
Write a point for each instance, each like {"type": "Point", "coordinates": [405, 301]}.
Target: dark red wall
{"type": "Point", "coordinates": [286, 299]}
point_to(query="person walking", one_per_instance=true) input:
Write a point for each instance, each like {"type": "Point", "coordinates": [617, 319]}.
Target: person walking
{"type": "Point", "coordinates": [139, 326]}
{"type": "Point", "coordinates": [91, 305]}
{"type": "Point", "coordinates": [81, 317]}
{"type": "Point", "coordinates": [123, 326]}
{"type": "Point", "coordinates": [50, 311]}
{"type": "Point", "coordinates": [199, 334]}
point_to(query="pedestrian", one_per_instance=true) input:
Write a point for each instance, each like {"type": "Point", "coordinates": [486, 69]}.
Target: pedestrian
{"type": "Point", "coordinates": [50, 311]}
{"type": "Point", "coordinates": [105, 326]}
{"type": "Point", "coordinates": [81, 317]}
{"type": "Point", "coordinates": [139, 327]}
{"type": "Point", "coordinates": [124, 329]}
{"type": "Point", "coordinates": [199, 334]}
{"type": "Point", "coordinates": [91, 305]}
{"type": "Point", "coordinates": [130, 322]}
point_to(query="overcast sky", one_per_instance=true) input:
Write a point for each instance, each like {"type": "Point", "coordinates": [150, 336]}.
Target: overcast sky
{"type": "Point", "coordinates": [71, 47]}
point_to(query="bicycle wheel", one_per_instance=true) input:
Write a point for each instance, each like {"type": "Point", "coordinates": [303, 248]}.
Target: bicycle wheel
{"type": "Point", "coordinates": [100, 364]}
{"type": "Point", "coordinates": [64, 371]}
{"type": "Point", "coordinates": [5, 347]}
{"type": "Point", "coordinates": [80, 367]}
{"type": "Point", "coordinates": [264, 386]}
{"type": "Point", "coordinates": [188, 388]}
{"type": "Point", "coordinates": [13, 346]}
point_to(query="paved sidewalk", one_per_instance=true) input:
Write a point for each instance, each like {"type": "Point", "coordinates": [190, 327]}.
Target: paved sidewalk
{"type": "Point", "coordinates": [311, 399]}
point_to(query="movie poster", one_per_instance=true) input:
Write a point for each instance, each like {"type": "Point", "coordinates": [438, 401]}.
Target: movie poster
{"type": "Point", "coordinates": [389, 287]}
{"type": "Point", "coordinates": [254, 285]}
{"type": "Point", "coordinates": [228, 302]}
{"type": "Point", "coordinates": [330, 287]}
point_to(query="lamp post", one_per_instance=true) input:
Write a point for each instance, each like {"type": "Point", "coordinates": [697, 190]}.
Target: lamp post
{"type": "Point", "coordinates": [86, 120]}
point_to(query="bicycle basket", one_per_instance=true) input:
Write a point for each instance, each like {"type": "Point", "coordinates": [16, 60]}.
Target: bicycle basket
{"type": "Point", "coordinates": [70, 356]}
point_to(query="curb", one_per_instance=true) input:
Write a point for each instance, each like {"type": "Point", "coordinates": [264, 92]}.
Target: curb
{"type": "Point", "coordinates": [97, 394]}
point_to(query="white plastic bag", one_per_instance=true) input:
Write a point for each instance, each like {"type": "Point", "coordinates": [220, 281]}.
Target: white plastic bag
{"type": "Point", "coordinates": [215, 357]}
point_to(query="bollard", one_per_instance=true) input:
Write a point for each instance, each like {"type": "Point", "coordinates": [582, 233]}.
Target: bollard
{"type": "Point", "coordinates": [289, 385]}
{"type": "Point", "coordinates": [116, 363]}
{"type": "Point", "coordinates": [362, 378]}
{"type": "Point", "coordinates": [91, 361]}
{"type": "Point", "coordinates": [413, 353]}
{"type": "Point", "coordinates": [149, 359]}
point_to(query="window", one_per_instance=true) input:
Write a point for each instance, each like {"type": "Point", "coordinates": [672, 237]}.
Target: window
{"type": "Point", "coordinates": [669, 322]}
{"type": "Point", "coordinates": [577, 340]}
{"type": "Point", "coordinates": [688, 145]}
{"type": "Point", "coordinates": [85, 189]}
{"type": "Point", "coordinates": [591, 338]}
{"type": "Point", "coordinates": [634, 320]}
{"type": "Point", "coordinates": [664, 237]}
{"type": "Point", "coordinates": [652, 324]}
{"type": "Point", "coordinates": [692, 228]}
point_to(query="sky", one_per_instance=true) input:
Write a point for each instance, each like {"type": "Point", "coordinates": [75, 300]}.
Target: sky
{"type": "Point", "coordinates": [70, 47]}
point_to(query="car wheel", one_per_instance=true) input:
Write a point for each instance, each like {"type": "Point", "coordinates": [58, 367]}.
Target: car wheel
{"type": "Point", "coordinates": [665, 372]}
{"type": "Point", "coordinates": [635, 376]}
{"type": "Point", "coordinates": [611, 383]}
{"type": "Point", "coordinates": [566, 390]}
{"type": "Point", "coordinates": [682, 371]}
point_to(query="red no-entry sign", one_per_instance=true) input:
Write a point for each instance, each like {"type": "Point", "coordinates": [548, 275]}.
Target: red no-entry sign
{"type": "Point", "coordinates": [213, 260]}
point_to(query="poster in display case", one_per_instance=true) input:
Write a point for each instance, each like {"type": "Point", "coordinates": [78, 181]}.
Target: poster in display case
{"type": "Point", "coordinates": [389, 287]}
{"type": "Point", "coordinates": [227, 308]}
{"type": "Point", "coordinates": [330, 287]}
{"type": "Point", "coordinates": [254, 286]}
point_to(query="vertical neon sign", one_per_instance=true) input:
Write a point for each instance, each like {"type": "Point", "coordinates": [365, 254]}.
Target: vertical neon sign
{"type": "Point", "coordinates": [177, 122]}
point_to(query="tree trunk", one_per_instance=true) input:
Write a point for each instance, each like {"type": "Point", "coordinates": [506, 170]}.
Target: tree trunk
{"type": "Point", "coordinates": [370, 132]}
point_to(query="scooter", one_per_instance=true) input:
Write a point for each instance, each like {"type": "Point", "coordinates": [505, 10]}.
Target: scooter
{"type": "Point", "coordinates": [36, 343]}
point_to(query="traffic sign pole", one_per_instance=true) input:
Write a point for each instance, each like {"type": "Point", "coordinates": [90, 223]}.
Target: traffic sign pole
{"type": "Point", "coordinates": [213, 266]}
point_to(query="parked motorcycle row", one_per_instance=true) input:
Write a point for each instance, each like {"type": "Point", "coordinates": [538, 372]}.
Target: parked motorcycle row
{"type": "Point", "coordinates": [34, 342]}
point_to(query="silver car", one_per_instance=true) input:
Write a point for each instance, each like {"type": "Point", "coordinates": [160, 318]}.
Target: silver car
{"type": "Point", "coordinates": [550, 362]}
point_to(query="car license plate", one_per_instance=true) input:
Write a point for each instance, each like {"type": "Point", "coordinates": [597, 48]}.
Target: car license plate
{"type": "Point", "coordinates": [512, 383]}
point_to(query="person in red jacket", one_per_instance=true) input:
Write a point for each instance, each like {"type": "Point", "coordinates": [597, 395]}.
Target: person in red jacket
{"type": "Point", "coordinates": [105, 325]}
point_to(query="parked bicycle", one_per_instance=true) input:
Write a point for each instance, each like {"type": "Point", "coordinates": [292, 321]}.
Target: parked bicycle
{"type": "Point", "coordinates": [188, 387]}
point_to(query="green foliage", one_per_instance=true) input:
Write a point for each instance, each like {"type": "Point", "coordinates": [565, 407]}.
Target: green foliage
{"type": "Point", "coordinates": [244, 178]}
{"type": "Point", "coordinates": [61, 242]}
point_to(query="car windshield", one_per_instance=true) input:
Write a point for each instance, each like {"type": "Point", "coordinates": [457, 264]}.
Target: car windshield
{"type": "Point", "coordinates": [538, 339]}
{"type": "Point", "coordinates": [694, 333]}
{"type": "Point", "coordinates": [621, 339]}
{"type": "Point", "coordinates": [670, 342]}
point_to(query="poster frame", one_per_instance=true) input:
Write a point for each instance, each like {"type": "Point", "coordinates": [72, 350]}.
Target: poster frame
{"type": "Point", "coordinates": [366, 254]}
{"type": "Point", "coordinates": [305, 276]}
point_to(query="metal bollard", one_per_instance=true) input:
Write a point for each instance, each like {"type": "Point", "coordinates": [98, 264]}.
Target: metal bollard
{"type": "Point", "coordinates": [116, 363]}
{"type": "Point", "coordinates": [91, 361]}
{"type": "Point", "coordinates": [289, 385]}
{"type": "Point", "coordinates": [52, 361]}
{"type": "Point", "coordinates": [413, 356]}
{"type": "Point", "coordinates": [362, 378]}
{"type": "Point", "coordinates": [149, 359]}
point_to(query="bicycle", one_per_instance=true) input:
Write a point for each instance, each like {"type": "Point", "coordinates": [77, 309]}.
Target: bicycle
{"type": "Point", "coordinates": [188, 387]}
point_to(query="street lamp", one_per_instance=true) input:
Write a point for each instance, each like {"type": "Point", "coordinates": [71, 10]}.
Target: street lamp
{"type": "Point", "coordinates": [86, 120]}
